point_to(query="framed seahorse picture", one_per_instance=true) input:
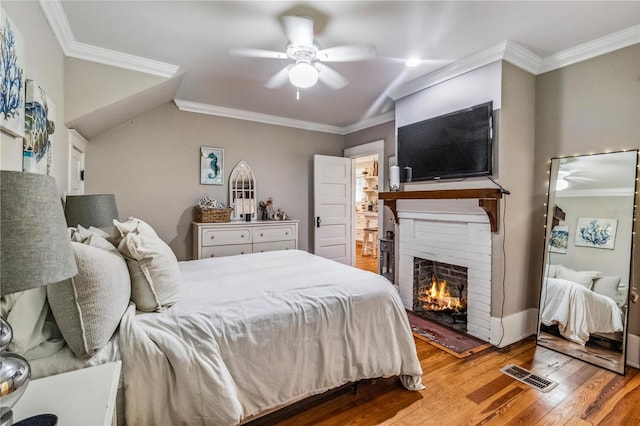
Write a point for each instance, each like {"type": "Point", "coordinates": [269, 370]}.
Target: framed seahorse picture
{"type": "Point", "coordinates": [211, 166]}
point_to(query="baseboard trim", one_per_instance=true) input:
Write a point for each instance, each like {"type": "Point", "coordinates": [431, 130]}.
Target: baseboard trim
{"type": "Point", "coordinates": [513, 328]}
{"type": "Point", "coordinates": [633, 350]}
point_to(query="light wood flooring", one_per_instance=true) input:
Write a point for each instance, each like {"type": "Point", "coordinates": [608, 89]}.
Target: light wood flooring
{"type": "Point", "coordinates": [366, 262]}
{"type": "Point", "coordinates": [472, 391]}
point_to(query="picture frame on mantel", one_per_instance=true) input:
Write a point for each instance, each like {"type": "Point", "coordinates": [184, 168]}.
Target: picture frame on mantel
{"type": "Point", "coordinates": [211, 166]}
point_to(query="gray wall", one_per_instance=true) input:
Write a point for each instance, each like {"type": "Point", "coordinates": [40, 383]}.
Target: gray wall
{"type": "Point", "coordinates": [589, 107]}
{"type": "Point", "coordinates": [152, 166]}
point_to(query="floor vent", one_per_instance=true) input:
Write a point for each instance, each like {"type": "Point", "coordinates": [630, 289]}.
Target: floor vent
{"type": "Point", "coordinates": [528, 378]}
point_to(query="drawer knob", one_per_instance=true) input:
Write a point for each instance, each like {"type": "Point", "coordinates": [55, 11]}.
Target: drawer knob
{"type": "Point", "coordinates": [262, 234]}
{"type": "Point", "coordinates": [241, 235]}
{"type": "Point", "coordinates": [241, 252]}
{"type": "Point", "coordinates": [286, 233]}
{"type": "Point", "coordinates": [213, 255]}
{"type": "Point", "coordinates": [212, 237]}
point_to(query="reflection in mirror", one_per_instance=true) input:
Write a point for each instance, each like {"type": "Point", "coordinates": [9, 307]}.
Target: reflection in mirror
{"type": "Point", "coordinates": [242, 192]}
{"type": "Point", "coordinates": [587, 263]}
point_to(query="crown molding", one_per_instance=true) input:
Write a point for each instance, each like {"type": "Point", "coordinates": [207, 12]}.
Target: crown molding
{"type": "Point", "coordinates": [369, 122]}
{"type": "Point", "coordinates": [597, 47]}
{"type": "Point", "coordinates": [184, 105]}
{"type": "Point", "coordinates": [57, 19]}
{"type": "Point", "coordinates": [601, 192]}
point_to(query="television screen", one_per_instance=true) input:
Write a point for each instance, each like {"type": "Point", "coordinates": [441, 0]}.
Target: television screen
{"type": "Point", "coordinates": [450, 146]}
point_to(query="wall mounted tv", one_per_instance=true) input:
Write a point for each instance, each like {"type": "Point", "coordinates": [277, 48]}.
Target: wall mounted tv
{"type": "Point", "coordinates": [454, 145]}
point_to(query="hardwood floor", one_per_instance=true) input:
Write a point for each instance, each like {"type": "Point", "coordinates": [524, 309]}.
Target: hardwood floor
{"type": "Point", "coordinates": [368, 262]}
{"type": "Point", "coordinates": [472, 391]}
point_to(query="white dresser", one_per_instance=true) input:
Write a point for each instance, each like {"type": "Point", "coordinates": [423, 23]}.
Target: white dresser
{"type": "Point", "coordinates": [231, 238]}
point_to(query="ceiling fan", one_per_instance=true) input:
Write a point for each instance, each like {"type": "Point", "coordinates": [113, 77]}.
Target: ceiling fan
{"type": "Point", "coordinates": [308, 56]}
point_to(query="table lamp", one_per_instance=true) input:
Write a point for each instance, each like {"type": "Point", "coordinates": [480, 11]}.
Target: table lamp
{"type": "Point", "coordinates": [36, 251]}
{"type": "Point", "coordinates": [97, 210]}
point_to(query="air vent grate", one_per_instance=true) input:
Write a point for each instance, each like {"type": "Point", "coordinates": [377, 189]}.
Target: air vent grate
{"type": "Point", "coordinates": [528, 378]}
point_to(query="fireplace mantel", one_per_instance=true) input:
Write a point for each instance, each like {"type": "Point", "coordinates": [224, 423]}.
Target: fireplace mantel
{"type": "Point", "coordinates": [487, 199]}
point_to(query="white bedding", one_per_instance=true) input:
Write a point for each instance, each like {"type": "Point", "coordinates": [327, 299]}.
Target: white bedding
{"type": "Point", "coordinates": [578, 311]}
{"type": "Point", "coordinates": [255, 332]}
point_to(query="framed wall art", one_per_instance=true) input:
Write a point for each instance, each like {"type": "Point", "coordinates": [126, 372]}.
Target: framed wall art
{"type": "Point", "coordinates": [559, 239]}
{"type": "Point", "coordinates": [39, 126]}
{"type": "Point", "coordinates": [12, 80]}
{"type": "Point", "coordinates": [596, 232]}
{"type": "Point", "coordinates": [211, 166]}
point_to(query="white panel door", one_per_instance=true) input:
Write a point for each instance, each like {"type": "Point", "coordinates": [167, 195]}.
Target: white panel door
{"type": "Point", "coordinates": [333, 207]}
{"type": "Point", "coordinates": [77, 148]}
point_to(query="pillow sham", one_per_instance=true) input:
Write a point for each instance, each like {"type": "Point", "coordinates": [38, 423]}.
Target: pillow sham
{"type": "Point", "coordinates": [608, 286]}
{"type": "Point", "coordinates": [584, 278]}
{"type": "Point", "coordinates": [154, 270]}
{"type": "Point", "coordinates": [89, 306]}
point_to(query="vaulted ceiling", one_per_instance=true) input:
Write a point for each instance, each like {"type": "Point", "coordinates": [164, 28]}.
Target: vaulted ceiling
{"type": "Point", "coordinates": [190, 40]}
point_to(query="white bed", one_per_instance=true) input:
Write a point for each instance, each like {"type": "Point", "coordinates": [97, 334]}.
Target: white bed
{"type": "Point", "coordinates": [578, 311]}
{"type": "Point", "coordinates": [253, 333]}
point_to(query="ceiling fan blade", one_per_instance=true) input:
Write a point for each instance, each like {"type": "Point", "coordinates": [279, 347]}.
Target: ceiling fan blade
{"type": "Point", "coordinates": [299, 30]}
{"type": "Point", "coordinates": [279, 79]}
{"type": "Point", "coordinates": [330, 77]}
{"type": "Point", "coordinates": [346, 53]}
{"type": "Point", "coordinates": [257, 53]}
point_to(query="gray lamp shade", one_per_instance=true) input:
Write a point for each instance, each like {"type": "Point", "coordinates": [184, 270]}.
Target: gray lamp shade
{"type": "Point", "coordinates": [34, 245]}
{"type": "Point", "coordinates": [96, 210]}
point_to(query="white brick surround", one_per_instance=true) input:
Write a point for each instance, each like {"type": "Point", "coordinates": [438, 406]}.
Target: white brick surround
{"type": "Point", "coordinates": [449, 231]}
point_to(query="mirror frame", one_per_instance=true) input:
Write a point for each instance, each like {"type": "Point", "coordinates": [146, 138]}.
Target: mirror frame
{"type": "Point", "coordinates": [567, 347]}
{"type": "Point", "coordinates": [243, 173]}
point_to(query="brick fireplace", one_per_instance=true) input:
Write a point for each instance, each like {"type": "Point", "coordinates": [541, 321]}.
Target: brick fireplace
{"type": "Point", "coordinates": [451, 233]}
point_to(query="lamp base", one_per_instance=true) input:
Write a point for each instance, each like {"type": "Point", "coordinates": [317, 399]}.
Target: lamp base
{"type": "Point", "coordinates": [39, 420]}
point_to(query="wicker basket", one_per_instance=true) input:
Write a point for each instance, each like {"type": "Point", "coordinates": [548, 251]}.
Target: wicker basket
{"type": "Point", "coordinates": [213, 215]}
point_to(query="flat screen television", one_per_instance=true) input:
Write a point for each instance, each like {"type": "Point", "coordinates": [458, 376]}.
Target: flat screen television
{"type": "Point", "coordinates": [454, 145]}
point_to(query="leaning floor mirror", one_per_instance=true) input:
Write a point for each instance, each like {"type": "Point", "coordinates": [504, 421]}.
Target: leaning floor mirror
{"type": "Point", "coordinates": [584, 296]}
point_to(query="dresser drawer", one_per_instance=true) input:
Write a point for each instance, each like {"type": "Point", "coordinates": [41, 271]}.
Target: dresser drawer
{"type": "Point", "coordinates": [214, 237]}
{"type": "Point", "coordinates": [275, 245]}
{"type": "Point", "coordinates": [273, 233]}
{"type": "Point", "coordinates": [228, 250]}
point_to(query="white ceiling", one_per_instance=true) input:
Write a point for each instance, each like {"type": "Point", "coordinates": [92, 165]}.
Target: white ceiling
{"type": "Point", "coordinates": [195, 36]}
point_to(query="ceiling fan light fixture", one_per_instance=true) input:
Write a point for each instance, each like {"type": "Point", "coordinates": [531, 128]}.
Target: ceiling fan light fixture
{"type": "Point", "coordinates": [412, 62]}
{"type": "Point", "coordinates": [303, 75]}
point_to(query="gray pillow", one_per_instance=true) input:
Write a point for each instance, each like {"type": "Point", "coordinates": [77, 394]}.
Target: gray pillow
{"type": "Point", "coordinates": [89, 306]}
{"type": "Point", "coordinates": [584, 278]}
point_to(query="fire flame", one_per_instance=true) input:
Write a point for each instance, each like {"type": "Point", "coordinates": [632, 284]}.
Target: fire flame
{"type": "Point", "coordinates": [438, 298]}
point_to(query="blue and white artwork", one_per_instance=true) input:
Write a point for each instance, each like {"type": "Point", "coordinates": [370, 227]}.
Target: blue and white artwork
{"type": "Point", "coordinates": [596, 232]}
{"type": "Point", "coordinates": [12, 80]}
{"type": "Point", "coordinates": [211, 166]}
{"type": "Point", "coordinates": [559, 239]}
{"type": "Point", "coordinates": [39, 126]}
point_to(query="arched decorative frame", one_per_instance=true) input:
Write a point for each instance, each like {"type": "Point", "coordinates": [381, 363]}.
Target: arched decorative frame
{"type": "Point", "coordinates": [242, 192]}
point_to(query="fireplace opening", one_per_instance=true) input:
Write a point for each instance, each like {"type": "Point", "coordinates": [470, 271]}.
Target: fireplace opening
{"type": "Point", "coordinates": [440, 293]}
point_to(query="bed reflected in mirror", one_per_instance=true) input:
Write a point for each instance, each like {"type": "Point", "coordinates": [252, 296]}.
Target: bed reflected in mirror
{"type": "Point", "coordinates": [587, 263]}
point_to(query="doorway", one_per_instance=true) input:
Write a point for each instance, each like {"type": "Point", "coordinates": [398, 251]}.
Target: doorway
{"type": "Point", "coordinates": [368, 180]}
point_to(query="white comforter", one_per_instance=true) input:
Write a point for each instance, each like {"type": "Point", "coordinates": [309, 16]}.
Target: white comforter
{"type": "Point", "coordinates": [578, 311]}
{"type": "Point", "coordinates": [255, 332]}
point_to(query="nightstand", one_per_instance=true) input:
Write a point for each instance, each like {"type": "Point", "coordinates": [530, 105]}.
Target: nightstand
{"type": "Point", "coordinates": [387, 259]}
{"type": "Point", "coordinates": [85, 397]}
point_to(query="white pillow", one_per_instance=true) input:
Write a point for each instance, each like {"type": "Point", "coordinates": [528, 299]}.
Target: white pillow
{"type": "Point", "coordinates": [584, 278]}
{"type": "Point", "coordinates": [607, 286]}
{"type": "Point", "coordinates": [27, 313]}
{"type": "Point", "coordinates": [89, 306]}
{"type": "Point", "coordinates": [155, 274]}
{"type": "Point", "coordinates": [552, 271]}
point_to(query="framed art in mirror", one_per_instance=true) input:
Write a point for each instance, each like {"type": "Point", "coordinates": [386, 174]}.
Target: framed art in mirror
{"type": "Point", "coordinates": [584, 299]}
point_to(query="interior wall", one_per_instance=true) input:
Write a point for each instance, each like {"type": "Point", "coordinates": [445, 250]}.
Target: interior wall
{"type": "Point", "coordinates": [589, 107]}
{"type": "Point", "coordinates": [45, 65]}
{"type": "Point", "coordinates": [608, 261]}
{"type": "Point", "coordinates": [152, 165]}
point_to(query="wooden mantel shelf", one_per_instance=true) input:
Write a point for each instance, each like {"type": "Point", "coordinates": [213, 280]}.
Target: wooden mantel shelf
{"type": "Point", "coordinates": [487, 199]}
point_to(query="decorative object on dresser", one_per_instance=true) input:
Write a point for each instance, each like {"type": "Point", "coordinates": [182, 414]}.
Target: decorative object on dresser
{"type": "Point", "coordinates": [242, 193]}
{"type": "Point", "coordinates": [211, 166]}
{"type": "Point", "coordinates": [97, 210]}
{"type": "Point", "coordinates": [36, 251]}
{"type": "Point", "coordinates": [209, 210]}
{"type": "Point", "coordinates": [214, 240]}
